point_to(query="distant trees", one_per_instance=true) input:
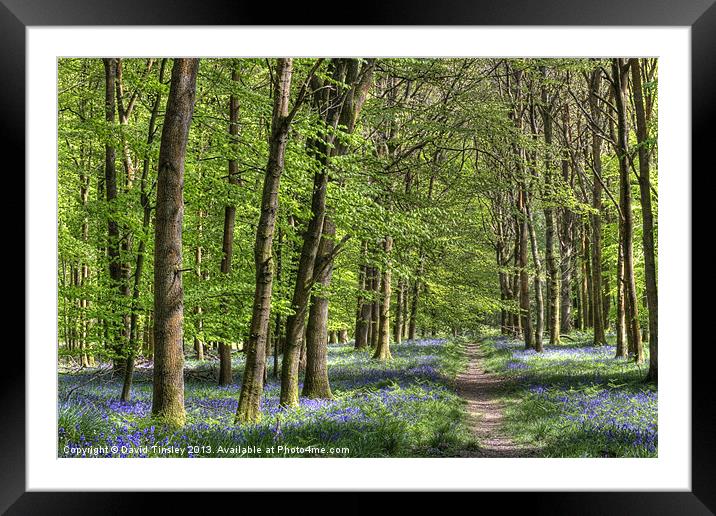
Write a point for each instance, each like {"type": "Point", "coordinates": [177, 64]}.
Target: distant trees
{"type": "Point", "coordinates": [586, 114]}
{"type": "Point", "coordinates": [118, 270]}
{"type": "Point", "coordinates": [227, 239]}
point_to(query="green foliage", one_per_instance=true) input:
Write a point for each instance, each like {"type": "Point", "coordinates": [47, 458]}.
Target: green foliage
{"type": "Point", "coordinates": [435, 161]}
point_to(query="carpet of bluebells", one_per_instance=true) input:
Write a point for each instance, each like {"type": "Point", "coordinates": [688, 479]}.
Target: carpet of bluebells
{"type": "Point", "coordinates": [401, 408]}
{"type": "Point", "coordinates": [576, 400]}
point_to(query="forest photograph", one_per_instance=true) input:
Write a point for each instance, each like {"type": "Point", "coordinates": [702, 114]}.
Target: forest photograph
{"type": "Point", "coordinates": [357, 257]}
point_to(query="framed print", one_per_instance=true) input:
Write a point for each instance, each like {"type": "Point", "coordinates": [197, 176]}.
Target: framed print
{"type": "Point", "coordinates": [370, 257]}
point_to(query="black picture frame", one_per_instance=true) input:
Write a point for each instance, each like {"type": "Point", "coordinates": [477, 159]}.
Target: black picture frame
{"type": "Point", "coordinates": [700, 15]}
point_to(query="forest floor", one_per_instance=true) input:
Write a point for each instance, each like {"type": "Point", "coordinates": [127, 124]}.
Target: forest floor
{"type": "Point", "coordinates": [483, 395]}
{"type": "Point", "coordinates": [435, 398]}
{"type": "Point", "coordinates": [572, 400]}
{"type": "Point", "coordinates": [405, 407]}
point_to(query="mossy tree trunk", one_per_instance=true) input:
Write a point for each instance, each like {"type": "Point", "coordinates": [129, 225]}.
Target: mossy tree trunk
{"type": "Point", "coordinates": [168, 394]}
{"type": "Point", "coordinates": [316, 384]}
{"type": "Point", "coordinates": [253, 379]}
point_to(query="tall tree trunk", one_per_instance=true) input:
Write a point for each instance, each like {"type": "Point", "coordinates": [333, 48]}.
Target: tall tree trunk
{"type": "Point", "coordinates": [252, 385]}
{"type": "Point", "coordinates": [316, 384]}
{"type": "Point", "coordinates": [516, 283]}
{"type": "Point", "coordinates": [277, 340]}
{"type": "Point", "coordinates": [168, 394]}
{"type": "Point", "coordinates": [123, 113]}
{"type": "Point", "coordinates": [566, 240]}
{"type": "Point", "coordinates": [406, 315]}
{"type": "Point", "coordinates": [198, 311]}
{"type": "Point", "coordinates": [398, 333]}
{"type": "Point", "coordinates": [362, 339]}
{"type": "Point", "coordinates": [633, 330]}
{"type": "Point", "coordinates": [539, 308]}
{"type": "Point", "coordinates": [414, 299]}
{"type": "Point", "coordinates": [141, 250]}
{"type": "Point", "coordinates": [622, 350]}
{"type": "Point", "coordinates": [504, 287]}
{"type": "Point", "coordinates": [584, 285]}
{"type": "Point", "coordinates": [370, 271]}
{"type": "Point", "coordinates": [375, 310]}
{"type": "Point", "coordinates": [84, 275]}
{"type": "Point", "coordinates": [566, 264]}
{"type": "Point", "coordinates": [227, 246]}
{"type": "Point", "coordinates": [642, 134]}
{"type": "Point", "coordinates": [553, 308]}
{"type": "Point", "coordinates": [326, 99]}
{"type": "Point", "coordinates": [382, 350]}
{"type": "Point", "coordinates": [526, 320]}
{"type": "Point", "coordinates": [119, 334]}
{"type": "Point", "coordinates": [296, 322]}
{"type": "Point", "coordinates": [588, 276]}
{"type": "Point", "coordinates": [363, 311]}
{"type": "Point", "coordinates": [606, 302]}
{"type": "Point", "coordinates": [598, 313]}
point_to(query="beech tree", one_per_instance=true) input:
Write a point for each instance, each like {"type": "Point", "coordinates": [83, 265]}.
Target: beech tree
{"type": "Point", "coordinates": [168, 396]}
{"type": "Point", "coordinates": [252, 387]}
{"type": "Point", "coordinates": [643, 106]}
{"type": "Point", "coordinates": [249, 402]}
{"type": "Point", "coordinates": [620, 68]}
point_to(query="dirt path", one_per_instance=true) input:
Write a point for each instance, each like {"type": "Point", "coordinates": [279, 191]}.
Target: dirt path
{"type": "Point", "coordinates": [482, 393]}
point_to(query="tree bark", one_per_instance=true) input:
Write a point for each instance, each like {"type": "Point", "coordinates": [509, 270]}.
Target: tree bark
{"type": "Point", "coordinates": [168, 393]}
{"type": "Point", "coordinates": [622, 350]}
{"type": "Point", "coordinates": [295, 325]}
{"type": "Point", "coordinates": [414, 299]}
{"type": "Point", "coordinates": [632, 305]}
{"type": "Point", "coordinates": [539, 299]}
{"type": "Point", "coordinates": [141, 250]}
{"type": "Point", "coordinates": [553, 308]}
{"type": "Point", "coordinates": [316, 384]}
{"type": "Point", "coordinates": [119, 335]}
{"type": "Point", "coordinates": [363, 311]}
{"type": "Point", "coordinates": [198, 311]}
{"type": "Point", "coordinates": [252, 385]}
{"type": "Point", "coordinates": [382, 350]}
{"type": "Point", "coordinates": [598, 314]}
{"type": "Point", "coordinates": [406, 316]}
{"type": "Point", "coordinates": [277, 340]}
{"type": "Point", "coordinates": [326, 99]}
{"type": "Point", "coordinates": [526, 320]}
{"type": "Point", "coordinates": [375, 309]}
{"type": "Point", "coordinates": [566, 240]}
{"type": "Point", "coordinates": [585, 282]}
{"type": "Point", "coordinates": [606, 301]}
{"type": "Point", "coordinates": [398, 333]}
{"type": "Point", "coordinates": [227, 245]}
{"type": "Point", "coordinates": [642, 134]}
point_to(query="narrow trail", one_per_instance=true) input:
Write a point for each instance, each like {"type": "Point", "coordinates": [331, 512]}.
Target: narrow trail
{"type": "Point", "coordinates": [484, 407]}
